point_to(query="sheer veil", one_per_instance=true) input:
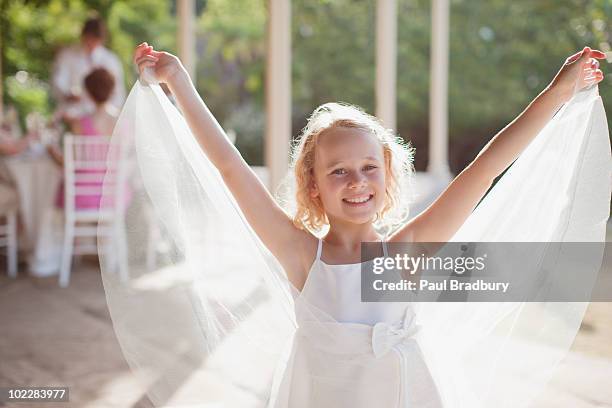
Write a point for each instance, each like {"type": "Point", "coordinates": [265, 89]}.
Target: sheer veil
{"type": "Point", "coordinates": [210, 316]}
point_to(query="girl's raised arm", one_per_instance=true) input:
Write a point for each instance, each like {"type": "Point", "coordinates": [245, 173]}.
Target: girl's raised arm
{"type": "Point", "coordinates": [440, 221]}
{"type": "Point", "coordinates": [268, 220]}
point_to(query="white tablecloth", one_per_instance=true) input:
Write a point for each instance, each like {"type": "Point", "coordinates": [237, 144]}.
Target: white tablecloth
{"type": "Point", "coordinates": [37, 179]}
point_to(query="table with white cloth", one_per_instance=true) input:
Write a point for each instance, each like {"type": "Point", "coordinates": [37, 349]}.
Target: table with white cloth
{"type": "Point", "coordinates": [37, 179]}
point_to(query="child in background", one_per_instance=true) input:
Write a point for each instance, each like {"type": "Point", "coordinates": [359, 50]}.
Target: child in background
{"type": "Point", "coordinates": [99, 84]}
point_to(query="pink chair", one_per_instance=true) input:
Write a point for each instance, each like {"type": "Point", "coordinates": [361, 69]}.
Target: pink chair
{"type": "Point", "coordinates": [91, 164]}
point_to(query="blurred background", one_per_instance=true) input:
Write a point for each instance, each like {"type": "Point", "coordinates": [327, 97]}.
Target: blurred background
{"type": "Point", "coordinates": [497, 56]}
{"type": "Point", "coordinates": [501, 56]}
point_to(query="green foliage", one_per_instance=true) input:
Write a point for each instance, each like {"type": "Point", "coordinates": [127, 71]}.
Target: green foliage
{"type": "Point", "coordinates": [230, 69]}
{"type": "Point", "coordinates": [333, 54]}
{"type": "Point", "coordinates": [131, 22]}
{"type": "Point", "coordinates": [28, 95]}
{"type": "Point", "coordinates": [504, 53]}
{"type": "Point", "coordinates": [34, 31]}
{"type": "Point", "coordinates": [247, 122]}
{"type": "Point", "coordinates": [232, 59]}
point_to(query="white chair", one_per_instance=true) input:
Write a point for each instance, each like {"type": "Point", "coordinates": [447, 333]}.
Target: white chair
{"type": "Point", "coordinates": [8, 239]}
{"type": "Point", "coordinates": [90, 162]}
{"type": "Point", "coordinates": [9, 204]}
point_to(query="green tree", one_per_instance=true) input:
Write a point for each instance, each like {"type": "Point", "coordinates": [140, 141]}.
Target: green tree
{"type": "Point", "coordinates": [230, 69]}
{"type": "Point", "coordinates": [34, 31]}
{"type": "Point", "coordinates": [504, 53]}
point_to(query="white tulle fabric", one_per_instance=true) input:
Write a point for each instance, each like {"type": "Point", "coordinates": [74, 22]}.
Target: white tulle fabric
{"type": "Point", "coordinates": [215, 321]}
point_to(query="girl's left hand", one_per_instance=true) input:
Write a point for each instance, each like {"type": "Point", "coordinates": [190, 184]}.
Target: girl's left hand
{"type": "Point", "coordinates": [579, 71]}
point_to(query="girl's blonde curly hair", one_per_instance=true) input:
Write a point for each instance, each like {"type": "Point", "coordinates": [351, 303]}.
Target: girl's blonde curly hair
{"type": "Point", "coordinates": [307, 212]}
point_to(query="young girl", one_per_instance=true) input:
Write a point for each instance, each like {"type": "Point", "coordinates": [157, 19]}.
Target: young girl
{"type": "Point", "coordinates": [351, 179]}
{"type": "Point", "coordinates": [99, 84]}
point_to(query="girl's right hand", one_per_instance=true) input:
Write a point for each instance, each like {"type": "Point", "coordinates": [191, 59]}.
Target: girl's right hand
{"type": "Point", "coordinates": [579, 71]}
{"type": "Point", "coordinates": [162, 64]}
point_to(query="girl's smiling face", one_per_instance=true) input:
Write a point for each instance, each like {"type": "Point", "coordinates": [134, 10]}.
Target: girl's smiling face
{"type": "Point", "coordinates": [349, 175]}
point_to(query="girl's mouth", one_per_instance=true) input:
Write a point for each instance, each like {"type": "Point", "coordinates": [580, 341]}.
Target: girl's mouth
{"type": "Point", "coordinates": [359, 200]}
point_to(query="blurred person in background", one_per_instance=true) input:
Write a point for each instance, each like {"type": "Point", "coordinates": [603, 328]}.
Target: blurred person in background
{"type": "Point", "coordinates": [10, 147]}
{"type": "Point", "coordinates": [74, 63]}
{"type": "Point", "coordinates": [99, 85]}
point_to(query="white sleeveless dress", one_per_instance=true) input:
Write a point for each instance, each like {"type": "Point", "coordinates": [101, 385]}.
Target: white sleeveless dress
{"type": "Point", "coordinates": [367, 355]}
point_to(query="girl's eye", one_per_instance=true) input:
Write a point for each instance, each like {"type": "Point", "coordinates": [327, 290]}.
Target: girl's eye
{"type": "Point", "coordinates": [339, 172]}
{"type": "Point", "coordinates": [370, 167]}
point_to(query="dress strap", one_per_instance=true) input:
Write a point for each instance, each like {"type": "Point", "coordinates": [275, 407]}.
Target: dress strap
{"type": "Point", "coordinates": [319, 249]}
{"type": "Point", "coordinates": [385, 251]}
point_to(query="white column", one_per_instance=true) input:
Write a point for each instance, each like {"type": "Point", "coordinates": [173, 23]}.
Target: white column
{"type": "Point", "coordinates": [185, 10]}
{"type": "Point", "coordinates": [438, 93]}
{"type": "Point", "coordinates": [386, 61]}
{"type": "Point", "coordinates": [278, 91]}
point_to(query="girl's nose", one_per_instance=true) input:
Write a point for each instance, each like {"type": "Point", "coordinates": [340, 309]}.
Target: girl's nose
{"type": "Point", "coordinates": [357, 180]}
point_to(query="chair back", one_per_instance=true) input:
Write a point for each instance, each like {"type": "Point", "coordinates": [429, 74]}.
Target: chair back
{"type": "Point", "coordinates": [92, 164]}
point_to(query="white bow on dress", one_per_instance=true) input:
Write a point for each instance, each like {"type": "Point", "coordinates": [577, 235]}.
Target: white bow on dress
{"type": "Point", "coordinates": [385, 336]}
